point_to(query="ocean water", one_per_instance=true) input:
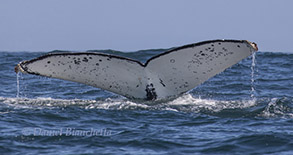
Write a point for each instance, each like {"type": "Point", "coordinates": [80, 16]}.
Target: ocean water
{"type": "Point", "coordinates": [247, 109]}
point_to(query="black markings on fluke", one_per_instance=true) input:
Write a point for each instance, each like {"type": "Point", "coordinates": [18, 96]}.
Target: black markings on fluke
{"type": "Point", "coordinates": [162, 83]}
{"type": "Point", "coordinates": [202, 57]}
{"type": "Point", "coordinates": [150, 92]}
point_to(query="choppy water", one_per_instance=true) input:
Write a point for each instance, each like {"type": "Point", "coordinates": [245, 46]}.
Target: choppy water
{"type": "Point", "coordinates": [245, 110]}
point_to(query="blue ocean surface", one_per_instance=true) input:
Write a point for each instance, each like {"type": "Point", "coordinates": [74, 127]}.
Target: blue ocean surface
{"type": "Point", "coordinates": [247, 109]}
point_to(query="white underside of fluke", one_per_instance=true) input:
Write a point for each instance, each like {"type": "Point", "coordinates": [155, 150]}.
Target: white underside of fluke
{"type": "Point", "coordinates": [166, 75]}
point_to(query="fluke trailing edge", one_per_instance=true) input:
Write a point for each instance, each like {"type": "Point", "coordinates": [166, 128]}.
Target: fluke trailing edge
{"type": "Point", "coordinates": [165, 75]}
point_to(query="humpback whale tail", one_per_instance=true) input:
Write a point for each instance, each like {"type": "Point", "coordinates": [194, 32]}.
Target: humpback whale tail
{"type": "Point", "coordinates": [165, 75]}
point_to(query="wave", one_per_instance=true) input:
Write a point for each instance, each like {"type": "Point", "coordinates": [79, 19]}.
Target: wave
{"type": "Point", "coordinates": [278, 108]}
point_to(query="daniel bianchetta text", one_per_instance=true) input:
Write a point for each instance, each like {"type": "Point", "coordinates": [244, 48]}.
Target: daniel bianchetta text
{"type": "Point", "coordinates": [66, 132]}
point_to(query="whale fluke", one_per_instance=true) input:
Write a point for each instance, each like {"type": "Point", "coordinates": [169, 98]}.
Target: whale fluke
{"type": "Point", "coordinates": [165, 75]}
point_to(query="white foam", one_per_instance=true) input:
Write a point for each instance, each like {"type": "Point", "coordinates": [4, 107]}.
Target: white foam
{"type": "Point", "coordinates": [87, 104]}
{"type": "Point", "coordinates": [210, 104]}
{"type": "Point", "coordinates": [185, 103]}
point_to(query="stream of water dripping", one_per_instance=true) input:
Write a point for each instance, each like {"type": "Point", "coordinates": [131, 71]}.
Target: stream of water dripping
{"type": "Point", "coordinates": [17, 85]}
{"type": "Point", "coordinates": [252, 92]}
